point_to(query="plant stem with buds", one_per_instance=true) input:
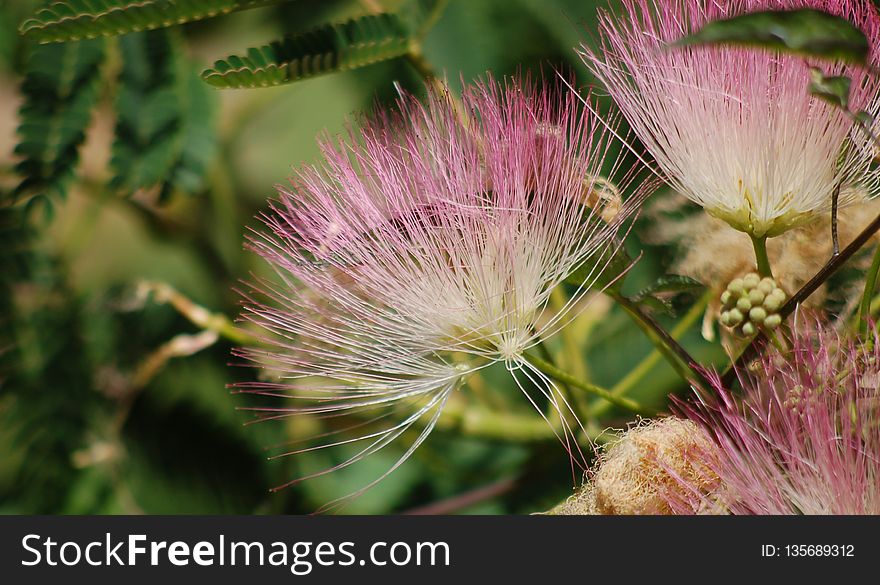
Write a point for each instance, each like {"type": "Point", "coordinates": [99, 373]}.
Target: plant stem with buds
{"type": "Point", "coordinates": [757, 345]}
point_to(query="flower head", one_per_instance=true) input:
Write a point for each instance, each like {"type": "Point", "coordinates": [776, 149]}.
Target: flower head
{"type": "Point", "coordinates": [424, 248]}
{"type": "Point", "coordinates": [805, 438]}
{"type": "Point", "coordinates": [641, 471]}
{"type": "Point", "coordinates": [734, 129]}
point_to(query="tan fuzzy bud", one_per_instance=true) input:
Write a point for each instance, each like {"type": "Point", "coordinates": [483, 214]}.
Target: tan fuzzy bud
{"type": "Point", "coordinates": [602, 195]}
{"type": "Point", "coordinates": [636, 475]}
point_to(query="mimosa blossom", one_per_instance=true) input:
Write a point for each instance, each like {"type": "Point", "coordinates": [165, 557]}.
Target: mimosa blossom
{"type": "Point", "coordinates": [735, 129]}
{"type": "Point", "coordinates": [805, 439]}
{"type": "Point", "coordinates": [425, 248]}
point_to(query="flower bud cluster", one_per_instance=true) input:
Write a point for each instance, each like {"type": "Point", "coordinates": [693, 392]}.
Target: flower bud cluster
{"type": "Point", "coordinates": [751, 302]}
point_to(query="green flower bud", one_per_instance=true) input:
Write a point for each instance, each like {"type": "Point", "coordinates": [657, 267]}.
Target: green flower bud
{"type": "Point", "coordinates": [767, 285]}
{"type": "Point", "coordinates": [750, 303]}
{"type": "Point", "coordinates": [757, 315]}
{"type": "Point", "coordinates": [772, 303]}
{"type": "Point", "coordinates": [751, 281]}
{"type": "Point", "coordinates": [736, 286]}
{"type": "Point", "coordinates": [735, 316]}
{"type": "Point", "coordinates": [772, 321]}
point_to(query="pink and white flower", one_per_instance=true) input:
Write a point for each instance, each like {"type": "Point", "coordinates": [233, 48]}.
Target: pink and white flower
{"type": "Point", "coordinates": [424, 248]}
{"type": "Point", "coordinates": [804, 439]}
{"type": "Point", "coordinates": [735, 129]}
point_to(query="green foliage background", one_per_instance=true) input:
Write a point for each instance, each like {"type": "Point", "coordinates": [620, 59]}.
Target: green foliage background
{"type": "Point", "coordinates": [169, 179]}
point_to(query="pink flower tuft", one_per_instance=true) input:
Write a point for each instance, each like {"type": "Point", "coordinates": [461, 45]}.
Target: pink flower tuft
{"type": "Point", "coordinates": [805, 438]}
{"type": "Point", "coordinates": [735, 129]}
{"type": "Point", "coordinates": [423, 249]}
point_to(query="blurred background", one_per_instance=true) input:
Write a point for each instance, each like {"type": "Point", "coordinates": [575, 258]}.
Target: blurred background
{"type": "Point", "coordinates": [110, 399]}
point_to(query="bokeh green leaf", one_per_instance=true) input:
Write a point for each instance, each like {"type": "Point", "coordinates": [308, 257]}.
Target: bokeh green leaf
{"type": "Point", "coordinates": [808, 32]}
{"type": "Point", "coordinates": [70, 20]}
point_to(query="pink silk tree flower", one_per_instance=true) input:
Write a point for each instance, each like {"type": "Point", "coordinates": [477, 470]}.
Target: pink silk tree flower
{"type": "Point", "coordinates": [804, 439]}
{"type": "Point", "coordinates": [424, 248]}
{"type": "Point", "coordinates": [734, 129]}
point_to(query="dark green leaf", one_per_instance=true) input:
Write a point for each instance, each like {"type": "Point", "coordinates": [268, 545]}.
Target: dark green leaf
{"type": "Point", "coordinates": [657, 305]}
{"type": "Point", "coordinates": [148, 117]}
{"type": "Point", "coordinates": [46, 392]}
{"type": "Point", "coordinates": [833, 89]}
{"type": "Point", "coordinates": [330, 48]}
{"type": "Point", "coordinates": [658, 295]}
{"type": "Point", "coordinates": [805, 32]}
{"type": "Point", "coordinates": [198, 136]}
{"type": "Point", "coordinates": [164, 130]}
{"type": "Point", "coordinates": [612, 264]}
{"type": "Point", "coordinates": [86, 19]}
{"type": "Point", "coordinates": [60, 89]}
{"type": "Point", "coordinates": [670, 283]}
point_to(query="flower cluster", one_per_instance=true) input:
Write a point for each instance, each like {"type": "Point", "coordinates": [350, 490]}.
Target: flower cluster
{"type": "Point", "coordinates": [751, 302]}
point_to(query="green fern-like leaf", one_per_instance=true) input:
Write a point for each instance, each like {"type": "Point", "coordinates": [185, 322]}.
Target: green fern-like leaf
{"type": "Point", "coordinates": [330, 48]}
{"type": "Point", "coordinates": [60, 89]}
{"type": "Point", "coordinates": [197, 138]}
{"type": "Point", "coordinates": [148, 117]}
{"type": "Point", "coordinates": [87, 19]}
{"type": "Point", "coordinates": [46, 391]}
{"type": "Point", "coordinates": [164, 132]}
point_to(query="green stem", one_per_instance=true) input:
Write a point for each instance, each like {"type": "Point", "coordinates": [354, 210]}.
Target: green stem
{"type": "Point", "coordinates": [499, 426]}
{"type": "Point", "coordinates": [870, 287]}
{"type": "Point", "coordinates": [576, 399]}
{"type": "Point", "coordinates": [675, 354]}
{"type": "Point", "coordinates": [571, 349]}
{"type": "Point", "coordinates": [197, 314]}
{"type": "Point", "coordinates": [566, 378]}
{"type": "Point", "coordinates": [646, 365]}
{"type": "Point", "coordinates": [761, 257]}
{"type": "Point", "coordinates": [423, 67]}
{"type": "Point", "coordinates": [566, 389]}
